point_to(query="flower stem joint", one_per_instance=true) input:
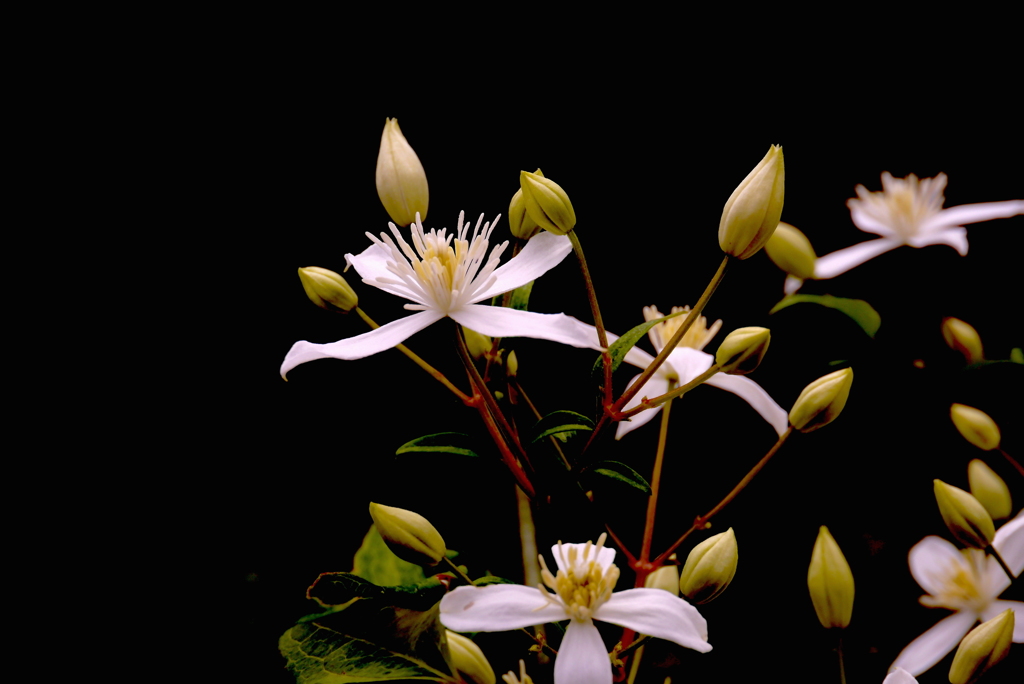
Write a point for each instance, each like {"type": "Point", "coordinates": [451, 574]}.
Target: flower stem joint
{"type": "Point", "coordinates": [752, 212]}
{"type": "Point", "coordinates": [830, 582]}
{"type": "Point", "coordinates": [546, 203]}
{"type": "Point", "coordinates": [409, 535]}
{"type": "Point", "coordinates": [327, 289]}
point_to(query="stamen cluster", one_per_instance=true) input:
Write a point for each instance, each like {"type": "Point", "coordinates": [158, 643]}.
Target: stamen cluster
{"type": "Point", "coordinates": [963, 585]}
{"type": "Point", "coordinates": [581, 583]}
{"type": "Point", "coordinates": [696, 337]}
{"type": "Point", "coordinates": [904, 203]}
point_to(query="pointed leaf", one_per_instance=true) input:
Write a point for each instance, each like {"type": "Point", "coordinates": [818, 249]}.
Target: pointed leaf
{"type": "Point", "coordinates": [439, 443]}
{"type": "Point", "coordinates": [562, 424]}
{"type": "Point", "coordinates": [375, 562]}
{"type": "Point", "coordinates": [620, 347]}
{"type": "Point", "coordinates": [619, 472]}
{"type": "Point", "coordinates": [859, 310]}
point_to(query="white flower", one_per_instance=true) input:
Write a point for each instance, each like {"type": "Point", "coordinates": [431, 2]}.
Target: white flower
{"type": "Point", "coordinates": [966, 581]}
{"type": "Point", "coordinates": [446, 275]}
{"type": "Point", "coordinates": [909, 211]}
{"type": "Point", "coordinates": [686, 362]}
{"type": "Point", "coordinates": [582, 593]}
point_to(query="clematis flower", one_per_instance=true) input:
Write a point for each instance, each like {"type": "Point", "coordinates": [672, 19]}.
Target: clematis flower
{"type": "Point", "coordinates": [909, 211]}
{"type": "Point", "coordinates": [446, 275]}
{"type": "Point", "coordinates": [686, 362]}
{"type": "Point", "coordinates": [966, 581]}
{"type": "Point", "coordinates": [582, 593]}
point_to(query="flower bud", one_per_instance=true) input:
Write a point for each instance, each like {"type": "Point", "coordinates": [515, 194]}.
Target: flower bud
{"type": "Point", "coordinates": [989, 489]}
{"type": "Point", "coordinates": [469, 659]}
{"type": "Point", "coordinates": [519, 222]}
{"type": "Point", "coordinates": [408, 535]}
{"type": "Point", "coordinates": [666, 577]}
{"type": "Point", "coordinates": [742, 350]}
{"type": "Point", "coordinates": [476, 343]}
{"type": "Point", "coordinates": [709, 568]}
{"type": "Point", "coordinates": [401, 181]}
{"type": "Point", "coordinates": [964, 515]}
{"type": "Point", "coordinates": [327, 289]}
{"type": "Point", "coordinates": [546, 203]}
{"type": "Point", "coordinates": [821, 401]}
{"type": "Point", "coordinates": [983, 647]}
{"type": "Point", "coordinates": [830, 582]}
{"type": "Point", "coordinates": [511, 364]}
{"type": "Point", "coordinates": [976, 426]}
{"type": "Point", "coordinates": [791, 251]}
{"type": "Point", "coordinates": [753, 210]}
{"type": "Point", "coordinates": [963, 338]}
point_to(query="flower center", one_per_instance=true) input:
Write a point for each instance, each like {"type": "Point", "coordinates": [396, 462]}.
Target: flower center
{"type": "Point", "coordinates": [964, 585]}
{"type": "Point", "coordinates": [696, 337]}
{"type": "Point", "coordinates": [582, 584]}
{"type": "Point", "coordinates": [904, 203]}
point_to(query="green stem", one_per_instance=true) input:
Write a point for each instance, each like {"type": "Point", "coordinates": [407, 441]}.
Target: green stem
{"type": "Point", "coordinates": [842, 667]}
{"type": "Point", "coordinates": [999, 559]}
{"type": "Point", "coordinates": [458, 571]}
{"type": "Point", "coordinates": [652, 500]}
{"type": "Point", "coordinates": [646, 404]}
{"type": "Point", "coordinates": [595, 310]}
{"type": "Point", "coordinates": [1012, 460]}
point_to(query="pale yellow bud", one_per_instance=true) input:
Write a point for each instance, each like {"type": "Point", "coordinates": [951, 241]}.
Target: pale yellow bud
{"type": "Point", "coordinates": [830, 582]}
{"type": "Point", "coordinates": [666, 577]}
{"type": "Point", "coordinates": [791, 251]}
{"type": "Point", "coordinates": [469, 659]}
{"type": "Point", "coordinates": [752, 212]}
{"type": "Point", "coordinates": [512, 364]}
{"type": "Point", "coordinates": [477, 343]}
{"type": "Point", "coordinates": [976, 426]}
{"type": "Point", "coordinates": [519, 222]}
{"type": "Point", "coordinates": [546, 203]}
{"type": "Point", "coordinates": [989, 489]}
{"type": "Point", "coordinates": [964, 515]}
{"type": "Point", "coordinates": [983, 647]}
{"type": "Point", "coordinates": [327, 289]}
{"type": "Point", "coordinates": [409, 535]}
{"type": "Point", "coordinates": [401, 181]}
{"type": "Point", "coordinates": [963, 338]}
{"type": "Point", "coordinates": [822, 401]}
{"type": "Point", "coordinates": [709, 567]}
{"type": "Point", "coordinates": [742, 350]}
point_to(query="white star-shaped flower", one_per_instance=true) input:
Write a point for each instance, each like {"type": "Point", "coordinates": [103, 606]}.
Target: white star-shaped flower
{"type": "Point", "coordinates": [909, 211]}
{"type": "Point", "coordinates": [966, 581]}
{"type": "Point", "coordinates": [686, 362]}
{"type": "Point", "coordinates": [582, 593]}
{"type": "Point", "coordinates": [447, 275]}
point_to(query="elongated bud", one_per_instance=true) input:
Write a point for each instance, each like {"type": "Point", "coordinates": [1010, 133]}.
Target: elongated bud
{"type": "Point", "coordinates": [742, 350]}
{"type": "Point", "coordinates": [983, 647]}
{"type": "Point", "coordinates": [666, 577]}
{"type": "Point", "coordinates": [546, 203]}
{"type": "Point", "coordinates": [477, 343]}
{"type": "Point", "coordinates": [822, 401]}
{"type": "Point", "coordinates": [976, 426]}
{"type": "Point", "coordinates": [752, 212]}
{"type": "Point", "coordinates": [963, 338]}
{"type": "Point", "coordinates": [709, 568]}
{"type": "Point", "coordinates": [830, 582]}
{"type": "Point", "coordinates": [791, 251]}
{"type": "Point", "coordinates": [401, 181]}
{"type": "Point", "coordinates": [989, 489]}
{"type": "Point", "coordinates": [409, 535]}
{"type": "Point", "coordinates": [519, 222]}
{"type": "Point", "coordinates": [964, 515]}
{"type": "Point", "coordinates": [469, 659]}
{"type": "Point", "coordinates": [327, 289]}
{"type": "Point", "coordinates": [511, 364]}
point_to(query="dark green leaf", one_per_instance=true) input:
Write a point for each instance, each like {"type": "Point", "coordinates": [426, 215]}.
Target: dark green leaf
{"type": "Point", "coordinates": [439, 443]}
{"type": "Point", "coordinates": [620, 347]}
{"type": "Point", "coordinates": [619, 472]}
{"type": "Point", "coordinates": [562, 424]}
{"type": "Point", "coordinates": [857, 309]}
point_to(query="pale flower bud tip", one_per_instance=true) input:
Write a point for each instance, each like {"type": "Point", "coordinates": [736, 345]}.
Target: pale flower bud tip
{"type": "Point", "coordinates": [327, 289]}
{"type": "Point", "coordinates": [742, 350]}
{"type": "Point", "coordinates": [709, 568]}
{"type": "Point", "coordinates": [791, 251]}
{"type": "Point", "coordinates": [752, 212]}
{"type": "Point", "coordinates": [469, 659]}
{"type": "Point", "coordinates": [830, 582]}
{"type": "Point", "coordinates": [822, 401]}
{"type": "Point", "coordinates": [962, 337]}
{"type": "Point", "coordinates": [401, 181]}
{"type": "Point", "coordinates": [409, 535]}
{"type": "Point", "coordinates": [964, 515]}
{"type": "Point", "coordinates": [547, 204]}
{"type": "Point", "coordinates": [976, 426]}
{"type": "Point", "coordinates": [666, 578]}
{"type": "Point", "coordinates": [983, 647]}
{"type": "Point", "coordinates": [989, 489]}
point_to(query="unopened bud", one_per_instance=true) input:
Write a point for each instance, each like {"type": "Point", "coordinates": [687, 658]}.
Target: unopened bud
{"type": "Point", "coordinates": [752, 212]}
{"type": "Point", "coordinates": [822, 401]}
{"type": "Point", "coordinates": [546, 203]}
{"type": "Point", "coordinates": [989, 489]}
{"type": "Point", "coordinates": [327, 289]}
{"type": "Point", "coordinates": [477, 343]}
{"type": "Point", "coordinates": [709, 568]}
{"type": "Point", "coordinates": [963, 338]}
{"type": "Point", "coordinates": [469, 659]}
{"type": "Point", "coordinates": [976, 426]}
{"type": "Point", "coordinates": [830, 582]}
{"type": "Point", "coordinates": [983, 647]}
{"type": "Point", "coordinates": [742, 350]}
{"type": "Point", "coordinates": [401, 181]}
{"type": "Point", "coordinates": [519, 222]}
{"type": "Point", "coordinates": [409, 535]}
{"type": "Point", "coordinates": [511, 364]}
{"type": "Point", "coordinates": [791, 251]}
{"type": "Point", "coordinates": [964, 515]}
{"type": "Point", "coordinates": [666, 577]}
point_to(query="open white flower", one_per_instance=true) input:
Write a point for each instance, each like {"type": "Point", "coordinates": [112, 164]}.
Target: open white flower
{"type": "Point", "coordinates": [966, 581]}
{"type": "Point", "coordinates": [582, 593]}
{"type": "Point", "coordinates": [686, 362]}
{"type": "Point", "coordinates": [447, 275]}
{"type": "Point", "coordinates": [909, 211]}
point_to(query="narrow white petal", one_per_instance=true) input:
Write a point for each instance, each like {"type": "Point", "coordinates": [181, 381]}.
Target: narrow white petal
{"type": "Point", "coordinates": [932, 646]}
{"type": "Point", "coordinates": [561, 554]}
{"type": "Point", "coordinates": [865, 222]}
{"type": "Point", "coordinates": [582, 657]}
{"type": "Point", "coordinates": [755, 395]}
{"type": "Point", "coordinates": [372, 265]}
{"type": "Point", "coordinates": [497, 608]}
{"type": "Point", "coordinates": [973, 213]}
{"type": "Point", "coordinates": [542, 253]}
{"type": "Point", "coordinates": [954, 237]}
{"type": "Point", "coordinates": [997, 607]}
{"type": "Point", "coordinates": [792, 284]}
{"type": "Point", "coordinates": [1009, 542]}
{"type": "Point", "coordinates": [842, 260]}
{"type": "Point", "coordinates": [932, 561]}
{"type": "Point", "coordinates": [367, 344]}
{"type": "Point", "coordinates": [658, 613]}
{"type": "Point", "coordinates": [899, 676]}
{"type": "Point", "coordinates": [656, 386]}
{"type": "Point", "coordinates": [689, 363]}
{"type": "Point", "coordinates": [498, 321]}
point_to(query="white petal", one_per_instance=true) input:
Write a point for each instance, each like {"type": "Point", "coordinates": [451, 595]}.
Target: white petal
{"type": "Point", "coordinates": [932, 561]}
{"type": "Point", "coordinates": [372, 264]}
{"type": "Point", "coordinates": [499, 321]}
{"type": "Point", "coordinates": [367, 344]}
{"type": "Point", "coordinates": [792, 284]}
{"type": "Point", "coordinates": [658, 613]}
{"type": "Point", "coordinates": [997, 607]}
{"type": "Point", "coordinates": [865, 222]}
{"type": "Point", "coordinates": [954, 237]}
{"type": "Point", "coordinates": [899, 676]}
{"type": "Point", "coordinates": [842, 260]}
{"type": "Point", "coordinates": [1009, 542]}
{"type": "Point", "coordinates": [973, 213]}
{"type": "Point", "coordinates": [561, 554]}
{"type": "Point", "coordinates": [656, 386]}
{"type": "Point", "coordinates": [689, 363]}
{"type": "Point", "coordinates": [497, 608]}
{"type": "Point", "coordinates": [752, 393]}
{"type": "Point", "coordinates": [542, 253]}
{"type": "Point", "coordinates": [582, 657]}
{"type": "Point", "coordinates": [932, 646]}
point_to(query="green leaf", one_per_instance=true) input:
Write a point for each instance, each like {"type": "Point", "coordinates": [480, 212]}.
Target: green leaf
{"type": "Point", "coordinates": [860, 311]}
{"type": "Point", "coordinates": [620, 347]}
{"type": "Point", "coordinates": [488, 580]}
{"type": "Point", "coordinates": [521, 297]}
{"type": "Point", "coordinates": [439, 443]}
{"type": "Point", "coordinates": [340, 588]}
{"type": "Point", "coordinates": [619, 472]}
{"type": "Point", "coordinates": [375, 562]}
{"type": "Point", "coordinates": [562, 424]}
